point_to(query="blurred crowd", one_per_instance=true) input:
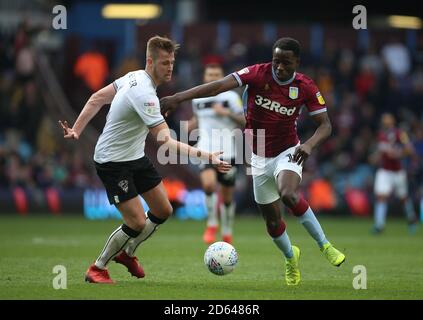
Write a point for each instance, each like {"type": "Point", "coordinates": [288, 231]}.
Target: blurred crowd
{"type": "Point", "coordinates": [32, 155]}
{"type": "Point", "coordinates": [358, 86]}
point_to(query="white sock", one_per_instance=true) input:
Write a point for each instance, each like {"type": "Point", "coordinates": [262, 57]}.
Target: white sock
{"type": "Point", "coordinates": [380, 214]}
{"type": "Point", "coordinates": [284, 244]}
{"type": "Point", "coordinates": [227, 214]}
{"type": "Point", "coordinates": [115, 244]}
{"type": "Point", "coordinates": [211, 204]}
{"type": "Point", "coordinates": [309, 221]}
{"type": "Point", "coordinates": [149, 229]}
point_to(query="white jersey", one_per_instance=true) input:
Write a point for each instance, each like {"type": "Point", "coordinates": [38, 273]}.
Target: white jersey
{"type": "Point", "coordinates": [216, 133]}
{"type": "Point", "coordinates": [134, 109]}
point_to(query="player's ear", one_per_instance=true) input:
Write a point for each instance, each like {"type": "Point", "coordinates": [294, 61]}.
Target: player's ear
{"type": "Point", "coordinates": [149, 61]}
{"type": "Point", "coordinates": [298, 61]}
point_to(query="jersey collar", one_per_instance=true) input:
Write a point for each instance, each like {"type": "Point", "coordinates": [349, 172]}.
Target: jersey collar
{"type": "Point", "coordinates": [282, 83]}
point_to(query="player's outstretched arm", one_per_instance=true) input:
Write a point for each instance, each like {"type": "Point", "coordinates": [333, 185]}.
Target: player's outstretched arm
{"type": "Point", "coordinates": [162, 135]}
{"type": "Point", "coordinates": [91, 108]}
{"type": "Point", "coordinates": [170, 103]}
{"type": "Point", "coordinates": [322, 132]}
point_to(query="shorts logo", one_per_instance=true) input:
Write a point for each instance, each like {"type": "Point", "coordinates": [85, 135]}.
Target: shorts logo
{"type": "Point", "coordinates": [116, 199]}
{"type": "Point", "coordinates": [320, 98]}
{"type": "Point", "coordinates": [123, 185]}
{"type": "Point", "coordinates": [293, 92]}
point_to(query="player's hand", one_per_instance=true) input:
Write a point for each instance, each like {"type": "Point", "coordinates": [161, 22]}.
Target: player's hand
{"type": "Point", "coordinates": [220, 110]}
{"type": "Point", "coordinates": [68, 133]}
{"type": "Point", "coordinates": [221, 166]}
{"type": "Point", "coordinates": [168, 105]}
{"type": "Point", "coordinates": [301, 154]}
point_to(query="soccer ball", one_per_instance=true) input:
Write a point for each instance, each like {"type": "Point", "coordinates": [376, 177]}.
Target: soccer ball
{"type": "Point", "coordinates": [221, 258]}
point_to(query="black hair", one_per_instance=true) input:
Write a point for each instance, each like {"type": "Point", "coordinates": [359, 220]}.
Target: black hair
{"type": "Point", "coordinates": [288, 44]}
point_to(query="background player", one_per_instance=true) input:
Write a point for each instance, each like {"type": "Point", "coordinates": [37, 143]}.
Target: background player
{"type": "Point", "coordinates": [120, 160]}
{"type": "Point", "coordinates": [393, 147]}
{"type": "Point", "coordinates": [275, 95]}
{"type": "Point", "coordinates": [220, 114]}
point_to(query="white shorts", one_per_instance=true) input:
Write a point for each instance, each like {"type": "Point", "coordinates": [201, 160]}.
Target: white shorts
{"type": "Point", "coordinates": [265, 172]}
{"type": "Point", "coordinates": [387, 181]}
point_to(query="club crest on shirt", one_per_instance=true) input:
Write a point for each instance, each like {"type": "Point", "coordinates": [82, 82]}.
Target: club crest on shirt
{"type": "Point", "coordinates": [293, 92]}
{"type": "Point", "coordinates": [320, 98]}
{"type": "Point", "coordinates": [123, 184]}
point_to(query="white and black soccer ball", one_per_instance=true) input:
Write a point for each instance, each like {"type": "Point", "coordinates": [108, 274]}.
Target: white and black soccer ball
{"type": "Point", "coordinates": [221, 258]}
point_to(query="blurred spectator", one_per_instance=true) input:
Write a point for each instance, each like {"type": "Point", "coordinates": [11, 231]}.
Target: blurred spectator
{"type": "Point", "coordinates": [397, 58]}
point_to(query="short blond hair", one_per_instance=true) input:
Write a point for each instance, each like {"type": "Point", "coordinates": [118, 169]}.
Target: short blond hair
{"type": "Point", "coordinates": [157, 43]}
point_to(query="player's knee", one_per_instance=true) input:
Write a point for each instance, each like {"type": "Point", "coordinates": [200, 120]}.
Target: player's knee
{"type": "Point", "coordinates": [167, 211]}
{"type": "Point", "coordinates": [137, 224]}
{"type": "Point", "coordinates": [209, 189]}
{"type": "Point", "coordinates": [275, 227]}
{"type": "Point", "coordinates": [289, 198]}
{"type": "Point", "coordinates": [272, 223]}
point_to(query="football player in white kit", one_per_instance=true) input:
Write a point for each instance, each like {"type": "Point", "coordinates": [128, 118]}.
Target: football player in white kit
{"type": "Point", "coordinates": [216, 119]}
{"type": "Point", "coordinates": [120, 160]}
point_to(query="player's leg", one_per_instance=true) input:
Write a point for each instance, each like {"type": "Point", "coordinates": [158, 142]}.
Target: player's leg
{"type": "Point", "coordinates": [209, 183]}
{"type": "Point", "coordinates": [134, 221]}
{"type": "Point", "coordinates": [158, 203]}
{"type": "Point", "coordinates": [401, 191]}
{"type": "Point", "coordinates": [288, 182]}
{"type": "Point", "coordinates": [121, 192]}
{"type": "Point", "coordinates": [159, 211]}
{"type": "Point", "coordinates": [382, 188]}
{"type": "Point", "coordinates": [134, 217]}
{"type": "Point", "coordinates": [149, 184]}
{"type": "Point", "coordinates": [227, 208]}
{"type": "Point", "coordinates": [268, 201]}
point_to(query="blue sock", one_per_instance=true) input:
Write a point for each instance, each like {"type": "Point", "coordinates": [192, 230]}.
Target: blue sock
{"type": "Point", "coordinates": [284, 244]}
{"type": "Point", "coordinates": [380, 214]}
{"type": "Point", "coordinates": [309, 221]}
{"type": "Point", "coordinates": [409, 210]}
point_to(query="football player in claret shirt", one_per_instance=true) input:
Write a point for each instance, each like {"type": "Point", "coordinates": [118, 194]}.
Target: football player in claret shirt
{"type": "Point", "coordinates": [393, 146]}
{"type": "Point", "coordinates": [275, 94]}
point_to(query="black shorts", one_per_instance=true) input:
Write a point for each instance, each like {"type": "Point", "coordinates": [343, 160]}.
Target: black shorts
{"type": "Point", "coordinates": [126, 180]}
{"type": "Point", "coordinates": [226, 179]}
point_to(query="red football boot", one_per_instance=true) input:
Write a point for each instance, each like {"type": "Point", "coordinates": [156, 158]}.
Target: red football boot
{"type": "Point", "coordinates": [227, 238]}
{"type": "Point", "coordinates": [97, 275]}
{"type": "Point", "coordinates": [210, 234]}
{"type": "Point", "coordinates": [131, 263]}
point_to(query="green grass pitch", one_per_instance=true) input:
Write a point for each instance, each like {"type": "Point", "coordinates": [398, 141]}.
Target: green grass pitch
{"type": "Point", "coordinates": [173, 261]}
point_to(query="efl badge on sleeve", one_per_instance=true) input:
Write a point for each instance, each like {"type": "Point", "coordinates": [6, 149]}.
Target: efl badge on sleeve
{"type": "Point", "coordinates": [320, 98]}
{"type": "Point", "coordinates": [293, 92]}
